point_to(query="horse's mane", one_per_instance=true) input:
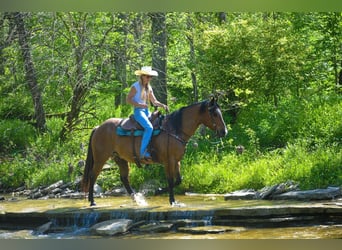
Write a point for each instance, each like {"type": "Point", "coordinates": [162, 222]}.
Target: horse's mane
{"type": "Point", "coordinates": [176, 117]}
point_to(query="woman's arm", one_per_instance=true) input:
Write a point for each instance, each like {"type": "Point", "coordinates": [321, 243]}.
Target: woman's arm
{"type": "Point", "coordinates": [156, 102]}
{"type": "Point", "coordinates": [129, 99]}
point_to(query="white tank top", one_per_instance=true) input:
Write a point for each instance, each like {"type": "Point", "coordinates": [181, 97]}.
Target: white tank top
{"type": "Point", "coordinates": [137, 97]}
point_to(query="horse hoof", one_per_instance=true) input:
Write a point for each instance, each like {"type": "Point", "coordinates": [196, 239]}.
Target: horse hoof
{"type": "Point", "coordinates": [177, 204]}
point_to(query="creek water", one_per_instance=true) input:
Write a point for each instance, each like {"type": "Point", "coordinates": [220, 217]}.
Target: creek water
{"type": "Point", "coordinates": [81, 217]}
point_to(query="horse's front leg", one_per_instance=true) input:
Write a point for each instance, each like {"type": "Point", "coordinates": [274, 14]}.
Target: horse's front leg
{"type": "Point", "coordinates": [171, 192]}
{"type": "Point", "coordinates": [163, 190]}
{"type": "Point", "coordinates": [172, 173]}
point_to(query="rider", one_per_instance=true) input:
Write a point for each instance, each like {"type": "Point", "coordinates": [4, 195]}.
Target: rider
{"type": "Point", "coordinates": [139, 96]}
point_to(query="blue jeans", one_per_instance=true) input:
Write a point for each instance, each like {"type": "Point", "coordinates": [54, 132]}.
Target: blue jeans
{"type": "Point", "coordinates": [141, 116]}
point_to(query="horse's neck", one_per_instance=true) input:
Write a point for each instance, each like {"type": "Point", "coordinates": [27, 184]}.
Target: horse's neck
{"type": "Point", "coordinates": [190, 121]}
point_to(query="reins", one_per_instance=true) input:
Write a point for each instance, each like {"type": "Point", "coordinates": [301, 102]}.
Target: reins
{"type": "Point", "coordinates": [177, 137]}
{"type": "Point", "coordinates": [211, 110]}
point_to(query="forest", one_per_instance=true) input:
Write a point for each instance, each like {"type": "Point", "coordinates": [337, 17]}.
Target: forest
{"type": "Point", "coordinates": [277, 76]}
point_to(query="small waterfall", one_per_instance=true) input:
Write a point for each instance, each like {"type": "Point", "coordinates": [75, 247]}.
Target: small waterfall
{"type": "Point", "coordinates": [119, 215]}
{"type": "Point", "coordinates": [208, 220]}
{"type": "Point", "coordinates": [79, 220]}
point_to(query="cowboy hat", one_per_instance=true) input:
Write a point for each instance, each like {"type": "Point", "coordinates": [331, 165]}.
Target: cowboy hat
{"type": "Point", "coordinates": [146, 70]}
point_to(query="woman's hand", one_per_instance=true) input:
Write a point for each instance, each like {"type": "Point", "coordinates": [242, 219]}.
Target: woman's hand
{"type": "Point", "coordinates": [143, 105]}
{"type": "Point", "coordinates": [166, 108]}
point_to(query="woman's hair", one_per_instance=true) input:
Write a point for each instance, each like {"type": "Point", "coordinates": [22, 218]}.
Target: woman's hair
{"type": "Point", "coordinates": [145, 91]}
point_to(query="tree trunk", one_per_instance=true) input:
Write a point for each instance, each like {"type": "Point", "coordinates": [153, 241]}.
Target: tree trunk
{"type": "Point", "coordinates": [30, 75]}
{"type": "Point", "coordinates": [120, 60]}
{"type": "Point", "coordinates": [192, 59]}
{"type": "Point", "coordinates": [2, 44]}
{"type": "Point", "coordinates": [138, 31]}
{"type": "Point", "coordinates": [159, 55]}
{"type": "Point", "coordinates": [80, 88]}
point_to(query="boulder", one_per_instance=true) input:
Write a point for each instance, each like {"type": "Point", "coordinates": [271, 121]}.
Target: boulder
{"type": "Point", "coordinates": [315, 194]}
{"type": "Point", "coordinates": [43, 228]}
{"type": "Point", "coordinates": [111, 227]}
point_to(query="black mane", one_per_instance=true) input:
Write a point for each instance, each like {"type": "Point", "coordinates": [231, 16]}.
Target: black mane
{"type": "Point", "coordinates": [176, 117]}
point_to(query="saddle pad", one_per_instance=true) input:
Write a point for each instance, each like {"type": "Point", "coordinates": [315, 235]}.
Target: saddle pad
{"type": "Point", "coordinates": [123, 132]}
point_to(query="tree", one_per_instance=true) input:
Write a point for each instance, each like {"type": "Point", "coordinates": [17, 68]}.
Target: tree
{"type": "Point", "coordinates": [120, 58]}
{"type": "Point", "coordinates": [87, 48]}
{"type": "Point", "coordinates": [192, 59]}
{"type": "Point", "coordinates": [332, 42]}
{"type": "Point", "coordinates": [159, 38]}
{"type": "Point", "coordinates": [31, 78]}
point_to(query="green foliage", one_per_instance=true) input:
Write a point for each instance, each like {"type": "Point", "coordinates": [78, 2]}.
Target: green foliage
{"type": "Point", "coordinates": [109, 178]}
{"type": "Point", "coordinates": [312, 169]}
{"type": "Point", "coordinates": [15, 135]}
{"type": "Point", "coordinates": [280, 68]}
{"type": "Point", "coordinates": [15, 171]}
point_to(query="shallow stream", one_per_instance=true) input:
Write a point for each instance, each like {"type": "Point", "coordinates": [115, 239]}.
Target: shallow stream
{"type": "Point", "coordinates": [75, 217]}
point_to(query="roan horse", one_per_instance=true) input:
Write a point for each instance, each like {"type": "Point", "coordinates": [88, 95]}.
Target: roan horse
{"type": "Point", "coordinates": [167, 148]}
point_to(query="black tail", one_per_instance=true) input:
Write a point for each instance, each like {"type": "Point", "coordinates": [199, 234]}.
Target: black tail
{"type": "Point", "coordinates": [88, 166]}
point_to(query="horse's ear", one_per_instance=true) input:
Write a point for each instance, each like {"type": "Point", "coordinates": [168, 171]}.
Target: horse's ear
{"type": "Point", "coordinates": [212, 101]}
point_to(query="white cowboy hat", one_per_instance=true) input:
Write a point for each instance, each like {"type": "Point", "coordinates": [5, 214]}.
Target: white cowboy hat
{"type": "Point", "coordinates": [146, 70]}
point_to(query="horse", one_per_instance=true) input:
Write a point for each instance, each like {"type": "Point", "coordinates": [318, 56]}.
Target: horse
{"type": "Point", "coordinates": [167, 148]}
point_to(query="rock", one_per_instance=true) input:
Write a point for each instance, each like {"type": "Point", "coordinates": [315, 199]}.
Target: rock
{"type": "Point", "coordinates": [266, 192]}
{"type": "Point", "coordinates": [241, 195]}
{"type": "Point", "coordinates": [203, 195]}
{"type": "Point", "coordinates": [81, 163]}
{"type": "Point", "coordinates": [190, 223]}
{"type": "Point", "coordinates": [52, 187]}
{"type": "Point", "coordinates": [112, 227]}
{"type": "Point", "coordinates": [209, 229]}
{"type": "Point", "coordinates": [36, 195]}
{"type": "Point", "coordinates": [116, 192]}
{"type": "Point", "coordinates": [97, 189]}
{"type": "Point", "coordinates": [156, 227]}
{"type": "Point", "coordinates": [76, 195]}
{"type": "Point", "coordinates": [239, 149]}
{"type": "Point", "coordinates": [43, 229]}
{"type": "Point", "coordinates": [315, 194]}
{"type": "Point", "coordinates": [106, 167]}
{"type": "Point", "coordinates": [20, 189]}
{"type": "Point", "coordinates": [56, 190]}
{"type": "Point", "coordinates": [149, 187]}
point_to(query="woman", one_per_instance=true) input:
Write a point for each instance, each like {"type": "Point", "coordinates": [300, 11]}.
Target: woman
{"type": "Point", "coordinates": [140, 94]}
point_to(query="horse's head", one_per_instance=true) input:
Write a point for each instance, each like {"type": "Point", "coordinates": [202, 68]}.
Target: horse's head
{"type": "Point", "coordinates": [215, 120]}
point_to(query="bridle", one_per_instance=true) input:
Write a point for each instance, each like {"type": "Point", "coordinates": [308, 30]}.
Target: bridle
{"type": "Point", "coordinates": [212, 110]}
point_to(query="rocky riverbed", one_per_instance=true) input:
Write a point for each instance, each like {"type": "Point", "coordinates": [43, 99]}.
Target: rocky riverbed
{"type": "Point", "coordinates": [283, 191]}
{"type": "Point", "coordinates": [279, 205]}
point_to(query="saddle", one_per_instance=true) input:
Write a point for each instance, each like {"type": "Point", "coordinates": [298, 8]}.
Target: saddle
{"type": "Point", "coordinates": [129, 126]}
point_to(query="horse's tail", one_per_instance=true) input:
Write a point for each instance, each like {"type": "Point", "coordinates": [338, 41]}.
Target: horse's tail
{"type": "Point", "coordinates": [88, 166]}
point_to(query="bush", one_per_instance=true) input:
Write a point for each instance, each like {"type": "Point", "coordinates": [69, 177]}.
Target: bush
{"type": "Point", "coordinates": [15, 172]}
{"type": "Point", "coordinates": [15, 135]}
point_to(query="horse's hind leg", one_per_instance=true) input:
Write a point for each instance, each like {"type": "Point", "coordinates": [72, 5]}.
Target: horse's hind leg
{"type": "Point", "coordinates": [93, 176]}
{"type": "Point", "coordinates": [124, 172]}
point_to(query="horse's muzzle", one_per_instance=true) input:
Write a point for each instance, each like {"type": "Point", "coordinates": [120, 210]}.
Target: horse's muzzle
{"type": "Point", "coordinates": [222, 132]}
